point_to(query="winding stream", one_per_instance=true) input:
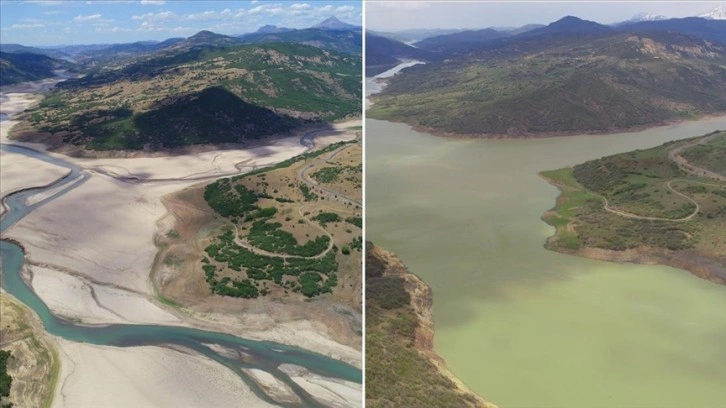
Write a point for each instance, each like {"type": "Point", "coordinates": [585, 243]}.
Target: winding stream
{"type": "Point", "coordinates": [262, 355]}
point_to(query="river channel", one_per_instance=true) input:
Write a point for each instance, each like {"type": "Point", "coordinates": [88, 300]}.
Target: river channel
{"type": "Point", "coordinates": [254, 354]}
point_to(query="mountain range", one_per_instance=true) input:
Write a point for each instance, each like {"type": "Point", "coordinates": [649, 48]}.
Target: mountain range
{"type": "Point", "coordinates": [205, 89]}
{"type": "Point", "coordinates": [717, 13]}
{"type": "Point", "coordinates": [708, 27]}
{"type": "Point", "coordinates": [571, 76]}
{"type": "Point", "coordinates": [324, 34]}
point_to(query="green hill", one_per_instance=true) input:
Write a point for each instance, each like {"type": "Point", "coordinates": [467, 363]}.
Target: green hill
{"type": "Point", "coordinates": [561, 83]}
{"type": "Point", "coordinates": [203, 95]}
{"type": "Point", "coordinates": [23, 67]}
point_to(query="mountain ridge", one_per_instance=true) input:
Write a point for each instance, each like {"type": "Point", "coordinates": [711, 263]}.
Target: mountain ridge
{"type": "Point", "coordinates": [276, 87]}
{"type": "Point", "coordinates": [567, 84]}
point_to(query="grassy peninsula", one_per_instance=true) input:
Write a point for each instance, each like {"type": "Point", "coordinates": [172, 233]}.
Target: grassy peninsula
{"type": "Point", "coordinates": [662, 205]}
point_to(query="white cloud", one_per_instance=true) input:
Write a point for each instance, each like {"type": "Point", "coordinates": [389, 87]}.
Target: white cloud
{"type": "Point", "coordinates": [149, 26]}
{"type": "Point", "coordinates": [182, 30]}
{"type": "Point", "coordinates": [152, 2]}
{"type": "Point", "coordinates": [405, 5]}
{"type": "Point", "coordinates": [27, 26]}
{"type": "Point", "coordinates": [344, 9]}
{"type": "Point", "coordinates": [300, 6]}
{"type": "Point", "coordinates": [91, 17]}
{"type": "Point", "coordinates": [162, 15]}
{"type": "Point", "coordinates": [107, 2]}
{"type": "Point", "coordinates": [45, 2]}
{"type": "Point", "coordinates": [112, 30]}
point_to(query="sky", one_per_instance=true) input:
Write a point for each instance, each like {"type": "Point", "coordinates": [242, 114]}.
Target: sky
{"type": "Point", "coordinates": [65, 22]}
{"type": "Point", "coordinates": [402, 15]}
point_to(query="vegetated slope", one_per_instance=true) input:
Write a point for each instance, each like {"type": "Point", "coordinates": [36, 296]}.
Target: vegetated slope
{"type": "Point", "coordinates": [710, 156]}
{"type": "Point", "coordinates": [202, 95]}
{"type": "Point", "coordinates": [6, 381]}
{"type": "Point", "coordinates": [23, 67]}
{"type": "Point", "coordinates": [29, 362]}
{"type": "Point", "coordinates": [646, 206]}
{"type": "Point", "coordinates": [283, 236]}
{"type": "Point", "coordinates": [213, 115]}
{"type": "Point", "coordinates": [383, 54]}
{"type": "Point", "coordinates": [402, 369]}
{"type": "Point", "coordinates": [569, 25]}
{"type": "Point", "coordinates": [463, 38]}
{"type": "Point", "coordinates": [561, 83]}
{"type": "Point", "coordinates": [203, 38]}
{"type": "Point", "coordinates": [712, 30]}
{"type": "Point", "coordinates": [529, 38]}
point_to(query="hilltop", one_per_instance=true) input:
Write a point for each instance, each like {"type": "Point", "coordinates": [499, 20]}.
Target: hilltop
{"type": "Point", "coordinates": [570, 77]}
{"type": "Point", "coordinates": [284, 240]}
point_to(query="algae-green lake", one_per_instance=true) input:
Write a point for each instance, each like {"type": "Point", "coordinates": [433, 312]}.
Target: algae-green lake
{"type": "Point", "coordinates": [523, 326]}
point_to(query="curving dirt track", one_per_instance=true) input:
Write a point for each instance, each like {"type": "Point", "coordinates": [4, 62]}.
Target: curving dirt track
{"type": "Point", "coordinates": [675, 155]}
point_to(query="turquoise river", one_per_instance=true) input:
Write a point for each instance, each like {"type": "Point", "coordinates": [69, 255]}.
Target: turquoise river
{"type": "Point", "coordinates": [258, 354]}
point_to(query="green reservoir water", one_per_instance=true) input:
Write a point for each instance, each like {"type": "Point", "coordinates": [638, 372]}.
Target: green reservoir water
{"type": "Point", "coordinates": [523, 326]}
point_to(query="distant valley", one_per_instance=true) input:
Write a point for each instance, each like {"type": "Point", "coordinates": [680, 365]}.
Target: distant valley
{"type": "Point", "coordinates": [205, 89]}
{"type": "Point", "coordinates": [23, 67]}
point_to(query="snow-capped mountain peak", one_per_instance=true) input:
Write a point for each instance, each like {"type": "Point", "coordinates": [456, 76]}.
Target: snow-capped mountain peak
{"type": "Point", "coordinates": [646, 17]}
{"type": "Point", "coordinates": [718, 13]}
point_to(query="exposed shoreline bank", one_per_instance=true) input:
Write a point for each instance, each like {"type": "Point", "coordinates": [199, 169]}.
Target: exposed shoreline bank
{"type": "Point", "coordinates": [421, 303]}
{"type": "Point", "coordinates": [542, 135]}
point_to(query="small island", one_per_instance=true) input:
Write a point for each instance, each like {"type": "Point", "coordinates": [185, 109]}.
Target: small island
{"type": "Point", "coordinates": [664, 205]}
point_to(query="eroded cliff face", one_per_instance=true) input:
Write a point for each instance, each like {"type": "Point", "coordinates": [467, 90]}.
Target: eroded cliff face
{"type": "Point", "coordinates": [381, 263]}
{"type": "Point", "coordinates": [422, 299]}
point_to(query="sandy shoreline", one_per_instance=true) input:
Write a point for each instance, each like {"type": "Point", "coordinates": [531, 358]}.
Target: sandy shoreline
{"type": "Point", "coordinates": [15, 176]}
{"type": "Point", "coordinates": [145, 377]}
{"type": "Point", "coordinates": [91, 252]}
